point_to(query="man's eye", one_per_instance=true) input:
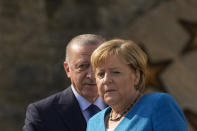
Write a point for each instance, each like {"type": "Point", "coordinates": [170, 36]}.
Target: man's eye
{"type": "Point", "coordinates": [83, 66]}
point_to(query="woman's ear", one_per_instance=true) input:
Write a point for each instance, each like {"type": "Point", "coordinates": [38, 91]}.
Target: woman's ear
{"type": "Point", "coordinates": [137, 77]}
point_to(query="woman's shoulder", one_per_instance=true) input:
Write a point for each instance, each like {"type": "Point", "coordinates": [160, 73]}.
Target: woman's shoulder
{"type": "Point", "coordinates": [158, 96]}
{"type": "Point", "coordinates": [100, 115]}
{"type": "Point", "coordinates": [164, 109]}
{"type": "Point", "coordinates": [160, 99]}
{"type": "Point", "coordinates": [155, 99]}
{"type": "Point", "coordinates": [97, 121]}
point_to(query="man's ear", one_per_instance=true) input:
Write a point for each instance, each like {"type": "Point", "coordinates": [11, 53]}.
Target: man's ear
{"type": "Point", "coordinates": [137, 78]}
{"type": "Point", "coordinates": [67, 69]}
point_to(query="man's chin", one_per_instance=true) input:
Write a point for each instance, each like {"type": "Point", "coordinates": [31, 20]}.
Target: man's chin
{"type": "Point", "coordinates": [91, 90]}
{"type": "Point", "coordinates": [90, 86]}
{"type": "Point", "coordinates": [90, 94]}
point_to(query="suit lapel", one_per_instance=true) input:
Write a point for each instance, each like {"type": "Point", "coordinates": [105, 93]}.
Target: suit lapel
{"type": "Point", "coordinates": [69, 110]}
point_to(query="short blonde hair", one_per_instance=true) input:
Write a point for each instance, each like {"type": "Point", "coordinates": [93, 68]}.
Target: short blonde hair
{"type": "Point", "coordinates": [129, 51]}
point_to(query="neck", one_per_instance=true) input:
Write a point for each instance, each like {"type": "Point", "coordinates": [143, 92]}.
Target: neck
{"type": "Point", "coordinates": [119, 108]}
{"type": "Point", "coordinates": [91, 99]}
{"type": "Point", "coordinates": [116, 115]}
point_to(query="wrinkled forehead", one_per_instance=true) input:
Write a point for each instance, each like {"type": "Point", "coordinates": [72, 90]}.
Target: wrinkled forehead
{"type": "Point", "coordinates": [84, 48]}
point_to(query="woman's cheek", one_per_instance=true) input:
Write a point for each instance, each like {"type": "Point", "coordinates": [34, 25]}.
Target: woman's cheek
{"type": "Point", "coordinates": [100, 89]}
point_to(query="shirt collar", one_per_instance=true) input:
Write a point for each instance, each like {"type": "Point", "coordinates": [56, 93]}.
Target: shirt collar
{"type": "Point", "coordinates": [84, 104]}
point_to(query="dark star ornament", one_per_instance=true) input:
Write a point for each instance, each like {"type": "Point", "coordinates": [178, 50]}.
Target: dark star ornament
{"type": "Point", "coordinates": [191, 28]}
{"type": "Point", "coordinates": [154, 70]}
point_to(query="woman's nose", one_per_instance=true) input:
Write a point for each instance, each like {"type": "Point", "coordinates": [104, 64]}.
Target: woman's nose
{"type": "Point", "coordinates": [107, 78]}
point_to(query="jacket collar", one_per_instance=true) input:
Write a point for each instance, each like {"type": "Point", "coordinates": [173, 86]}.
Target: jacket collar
{"type": "Point", "coordinates": [69, 110]}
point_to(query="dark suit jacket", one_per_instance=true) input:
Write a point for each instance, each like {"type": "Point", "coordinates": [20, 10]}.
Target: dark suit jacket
{"type": "Point", "coordinates": [59, 112]}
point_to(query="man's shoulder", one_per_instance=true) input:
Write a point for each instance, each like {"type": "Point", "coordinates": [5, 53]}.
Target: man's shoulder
{"type": "Point", "coordinates": [52, 99]}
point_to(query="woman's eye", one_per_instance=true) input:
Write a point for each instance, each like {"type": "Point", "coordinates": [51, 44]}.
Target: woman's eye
{"type": "Point", "coordinates": [115, 72]}
{"type": "Point", "coordinates": [100, 74]}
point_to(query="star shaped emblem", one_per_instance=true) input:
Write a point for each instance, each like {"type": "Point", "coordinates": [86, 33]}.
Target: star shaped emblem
{"type": "Point", "coordinates": [153, 74]}
{"type": "Point", "coordinates": [191, 28]}
{"type": "Point", "coordinates": [154, 70]}
{"type": "Point", "coordinates": [192, 117]}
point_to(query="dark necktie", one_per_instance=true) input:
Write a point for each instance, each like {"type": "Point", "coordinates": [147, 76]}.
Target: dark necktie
{"type": "Point", "coordinates": [92, 110]}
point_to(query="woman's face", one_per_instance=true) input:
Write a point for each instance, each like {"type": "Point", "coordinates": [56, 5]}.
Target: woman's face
{"type": "Point", "coordinates": [116, 81]}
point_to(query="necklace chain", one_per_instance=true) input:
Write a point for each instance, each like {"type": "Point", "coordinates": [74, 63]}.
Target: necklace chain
{"type": "Point", "coordinates": [119, 117]}
{"type": "Point", "coordinates": [124, 112]}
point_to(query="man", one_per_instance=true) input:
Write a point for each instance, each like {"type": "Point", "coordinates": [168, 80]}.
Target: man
{"type": "Point", "coordinates": [69, 110]}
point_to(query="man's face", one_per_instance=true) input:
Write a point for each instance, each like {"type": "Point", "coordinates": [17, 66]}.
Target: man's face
{"type": "Point", "coordinates": [80, 72]}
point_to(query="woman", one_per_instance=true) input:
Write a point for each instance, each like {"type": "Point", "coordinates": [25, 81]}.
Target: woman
{"type": "Point", "coordinates": [120, 70]}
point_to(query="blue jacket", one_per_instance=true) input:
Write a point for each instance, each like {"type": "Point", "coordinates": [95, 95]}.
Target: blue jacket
{"type": "Point", "coordinates": [153, 112]}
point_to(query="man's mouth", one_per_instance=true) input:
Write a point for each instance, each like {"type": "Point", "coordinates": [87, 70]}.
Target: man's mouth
{"type": "Point", "coordinates": [109, 90]}
{"type": "Point", "coordinates": [90, 84]}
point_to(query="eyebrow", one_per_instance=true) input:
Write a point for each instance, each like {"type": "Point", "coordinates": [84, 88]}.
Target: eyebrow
{"type": "Point", "coordinates": [111, 68]}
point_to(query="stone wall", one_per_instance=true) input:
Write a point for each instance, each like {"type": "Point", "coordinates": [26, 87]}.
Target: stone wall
{"type": "Point", "coordinates": [34, 33]}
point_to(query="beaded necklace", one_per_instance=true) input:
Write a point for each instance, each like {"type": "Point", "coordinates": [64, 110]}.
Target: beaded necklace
{"type": "Point", "coordinates": [124, 112]}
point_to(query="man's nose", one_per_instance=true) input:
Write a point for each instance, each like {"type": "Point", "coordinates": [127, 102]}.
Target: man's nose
{"type": "Point", "coordinates": [90, 73]}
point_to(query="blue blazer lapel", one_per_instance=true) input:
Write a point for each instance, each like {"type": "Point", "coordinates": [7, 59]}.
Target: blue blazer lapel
{"type": "Point", "coordinates": [70, 112]}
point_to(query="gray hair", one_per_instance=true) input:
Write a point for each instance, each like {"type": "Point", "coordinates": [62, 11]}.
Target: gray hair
{"type": "Point", "coordinates": [90, 39]}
